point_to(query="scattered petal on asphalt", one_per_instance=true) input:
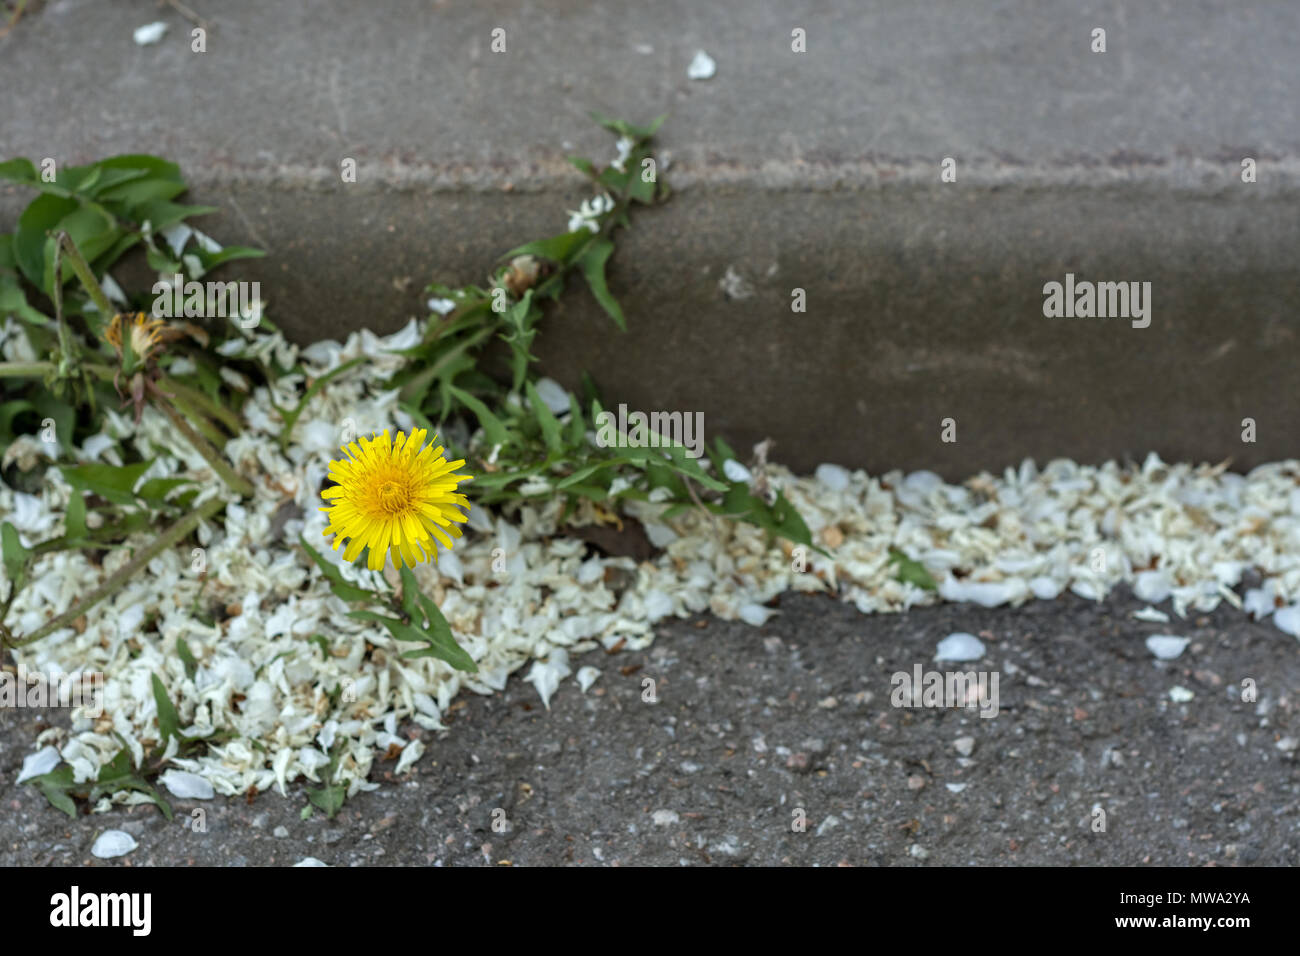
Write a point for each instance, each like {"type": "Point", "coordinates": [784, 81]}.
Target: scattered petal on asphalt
{"type": "Point", "coordinates": [187, 786]}
{"type": "Point", "coordinates": [702, 66]}
{"type": "Point", "coordinates": [1166, 646]}
{"type": "Point", "coordinates": [113, 843]}
{"type": "Point", "coordinates": [149, 33]}
{"type": "Point", "coordinates": [39, 764]}
{"type": "Point", "coordinates": [1287, 620]}
{"type": "Point", "coordinates": [960, 646]}
{"type": "Point", "coordinates": [1152, 614]}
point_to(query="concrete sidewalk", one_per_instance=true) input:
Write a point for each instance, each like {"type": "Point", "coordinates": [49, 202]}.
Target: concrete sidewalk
{"type": "Point", "coordinates": [751, 724]}
{"type": "Point", "coordinates": [816, 170]}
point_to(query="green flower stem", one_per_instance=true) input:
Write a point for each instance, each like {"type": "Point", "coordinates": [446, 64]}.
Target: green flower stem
{"type": "Point", "coordinates": [83, 271]}
{"type": "Point", "coordinates": [25, 369]}
{"type": "Point", "coordinates": [200, 422]}
{"type": "Point", "coordinates": [42, 369]}
{"type": "Point", "coordinates": [168, 539]}
{"type": "Point", "coordinates": [199, 400]}
{"type": "Point", "coordinates": [232, 478]}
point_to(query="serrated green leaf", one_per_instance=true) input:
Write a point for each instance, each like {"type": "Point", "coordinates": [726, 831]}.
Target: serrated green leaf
{"type": "Point", "coordinates": [546, 419]}
{"type": "Point", "coordinates": [74, 519]}
{"type": "Point", "coordinates": [169, 722]}
{"type": "Point", "coordinates": [187, 658]}
{"type": "Point", "coordinates": [559, 248]}
{"type": "Point", "coordinates": [15, 556]}
{"type": "Point", "coordinates": [42, 214]}
{"type": "Point", "coordinates": [155, 490]}
{"type": "Point", "coordinates": [56, 787]}
{"type": "Point", "coordinates": [592, 264]}
{"type": "Point", "coordinates": [20, 170]}
{"type": "Point", "coordinates": [108, 481]}
{"type": "Point", "coordinates": [493, 428]}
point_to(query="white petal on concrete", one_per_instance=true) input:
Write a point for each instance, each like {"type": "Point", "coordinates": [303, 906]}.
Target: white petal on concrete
{"type": "Point", "coordinates": [546, 675]}
{"type": "Point", "coordinates": [187, 786]}
{"type": "Point", "coordinates": [1045, 588]}
{"type": "Point", "coordinates": [587, 676]}
{"type": "Point", "coordinates": [1166, 646]}
{"type": "Point", "coordinates": [1151, 586]}
{"type": "Point", "coordinates": [983, 593]}
{"type": "Point", "coordinates": [1180, 695]}
{"type": "Point", "coordinates": [1287, 620]}
{"type": "Point", "coordinates": [1259, 603]}
{"type": "Point", "coordinates": [310, 861]}
{"type": "Point", "coordinates": [658, 605]}
{"type": "Point", "coordinates": [1151, 614]}
{"type": "Point", "coordinates": [702, 66]}
{"type": "Point", "coordinates": [410, 754]}
{"type": "Point", "coordinates": [832, 476]}
{"type": "Point", "coordinates": [113, 843]}
{"type": "Point", "coordinates": [39, 764]}
{"type": "Point", "coordinates": [960, 646]}
{"type": "Point", "coordinates": [755, 614]}
{"type": "Point", "coordinates": [149, 33]}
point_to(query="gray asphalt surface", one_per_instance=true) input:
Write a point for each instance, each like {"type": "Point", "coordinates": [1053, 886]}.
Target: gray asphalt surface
{"type": "Point", "coordinates": [752, 725]}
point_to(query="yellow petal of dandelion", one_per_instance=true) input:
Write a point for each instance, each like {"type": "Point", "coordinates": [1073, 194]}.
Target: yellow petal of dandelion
{"type": "Point", "coordinates": [394, 496]}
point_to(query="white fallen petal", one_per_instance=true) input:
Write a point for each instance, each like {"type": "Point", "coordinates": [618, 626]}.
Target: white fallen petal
{"type": "Point", "coordinates": [735, 471]}
{"type": "Point", "coordinates": [187, 786]}
{"type": "Point", "coordinates": [546, 675]}
{"type": "Point", "coordinates": [39, 764]}
{"type": "Point", "coordinates": [1151, 614]}
{"type": "Point", "coordinates": [1166, 646]}
{"type": "Point", "coordinates": [113, 843]}
{"type": "Point", "coordinates": [960, 646]}
{"type": "Point", "coordinates": [755, 614]}
{"type": "Point", "coordinates": [149, 33]}
{"type": "Point", "coordinates": [1287, 620]}
{"type": "Point", "coordinates": [832, 476]}
{"type": "Point", "coordinates": [702, 66]}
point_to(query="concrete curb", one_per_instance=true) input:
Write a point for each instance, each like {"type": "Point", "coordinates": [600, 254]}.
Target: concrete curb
{"type": "Point", "coordinates": [821, 173]}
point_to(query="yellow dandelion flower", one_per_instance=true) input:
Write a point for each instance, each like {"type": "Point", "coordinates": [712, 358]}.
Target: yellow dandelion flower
{"type": "Point", "coordinates": [394, 496]}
